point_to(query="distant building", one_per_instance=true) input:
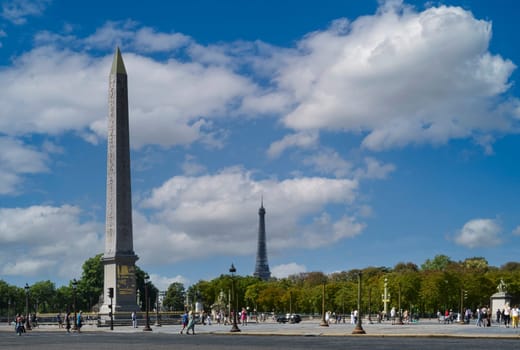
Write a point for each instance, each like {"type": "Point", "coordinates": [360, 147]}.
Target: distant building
{"type": "Point", "coordinates": [262, 267]}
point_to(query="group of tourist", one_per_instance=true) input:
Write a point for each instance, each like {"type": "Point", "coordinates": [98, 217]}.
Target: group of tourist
{"type": "Point", "coordinates": [508, 316]}
{"type": "Point", "coordinates": [188, 323]}
{"type": "Point", "coordinates": [69, 321]}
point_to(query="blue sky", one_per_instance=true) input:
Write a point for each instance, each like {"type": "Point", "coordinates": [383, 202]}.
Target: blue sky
{"type": "Point", "coordinates": [377, 132]}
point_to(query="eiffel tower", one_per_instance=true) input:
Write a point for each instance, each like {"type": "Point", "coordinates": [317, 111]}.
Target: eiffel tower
{"type": "Point", "coordinates": [262, 267]}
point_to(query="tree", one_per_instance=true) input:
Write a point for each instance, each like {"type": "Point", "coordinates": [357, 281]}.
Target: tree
{"type": "Point", "coordinates": [90, 286]}
{"type": "Point", "coordinates": [153, 292]}
{"type": "Point", "coordinates": [42, 296]}
{"type": "Point", "coordinates": [511, 266]}
{"type": "Point", "coordinates": [476, 263]}
{"type": "Point", "coordinates": [438, 263]}
{"type": "Point", "coordinates": [174, 299]}
{"type": "Point", "coordinates": [405, 267]}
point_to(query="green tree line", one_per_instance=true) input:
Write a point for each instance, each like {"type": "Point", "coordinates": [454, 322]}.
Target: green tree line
{"type": "Point", "coordinates": [437, 284]}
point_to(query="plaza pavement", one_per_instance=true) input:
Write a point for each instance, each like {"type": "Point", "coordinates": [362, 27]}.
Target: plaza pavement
{"type": "Point", "coordinates": [423, 328]}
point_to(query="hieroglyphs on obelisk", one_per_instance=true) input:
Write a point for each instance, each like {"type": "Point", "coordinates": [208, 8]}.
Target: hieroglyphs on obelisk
{"type": "Point", "coordinates": [119, 257]}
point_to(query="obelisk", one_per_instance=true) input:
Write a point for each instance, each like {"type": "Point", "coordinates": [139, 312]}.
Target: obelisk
{"type": "Point", "coordinates": [119, 257]}
{"type": "Point", "coordinates": [262, 267]}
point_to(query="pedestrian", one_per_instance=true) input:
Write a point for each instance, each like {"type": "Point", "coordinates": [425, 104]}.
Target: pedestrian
{"type": "Point", "coordinates": [479, 317]}
{"type": "Point", "coordinates": [60, 320]}
{"type": "Point", "coordinates": [243, 317]}
{"type": "Point", "coordinates": [79, 322]}
{"type": "Point", "coordinates": [515, 313]}
{"type": "Point", "coordinates": [191, 323]}
{"type": "Point", "coordinates": [67, 322]}
{"type": "Point", "coordinates": [184, 321]}
{"type": "Point", "coordinates": [134, 319]}
{"type": "Point", "coordinates": [19, 328]}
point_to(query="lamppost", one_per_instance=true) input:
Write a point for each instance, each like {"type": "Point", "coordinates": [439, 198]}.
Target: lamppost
{"type": "Point", "coordinates": [323, 322]}
{"type": "Point", "coordinates": [8, 309]}
{"type": "Point", "coordinates": [27, 316]}
{"type": "Point", "coordinates": [232, 270]}
{"type": "Point", "coordinates": [147, 303]}
{"type": "Point", "coordinates": [290, 302]}
{"type": "Point", "coordinates": [386, 298]}
{"type": "Point", "coordinates": [370, 305]}
{"type": "Point", "coordinates": [74, 286]}
{"type": "Point", "coordinates": [359, 329]}
{"type": "Point", "coordinates": [462, 313]}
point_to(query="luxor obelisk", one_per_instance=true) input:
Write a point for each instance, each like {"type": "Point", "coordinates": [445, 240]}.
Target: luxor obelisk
{"type": "Point", "coordinates": [119, 257]}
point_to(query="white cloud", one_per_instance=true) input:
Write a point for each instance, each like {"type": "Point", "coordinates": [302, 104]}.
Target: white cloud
{"type": "Point", "coordinates": [328, 161]}
{"type": "Point", "coordinates": [359, 76]}
{"type": "Point", "coordinates": [301, 140]}
{"type": "Point", "coordinates": [192, 212]}
{"type": "Point", "coordinates": [192, 167]}
{"type": "Point", "coordinates": [46, 241]}
{"type": "Point", "coordinates": [171, 103]}
{"type": "Point", "coordinates": [128, 34]}
{"type": "Point", "coordinates": [375, 169]}
{"type": "Point", "coordinates": [400, 76]}
{"type": "Point", "coordinates": [162, 282]}
{"type": "Point", "coordinates": [479, 233]}
{"type": "Point", "coordinates": [324, 230]}
{"type": "Point", "coordinates": [16, 160]}
{"type": "Point", "coordinates": [16, 11]}
{"type": "Point", "coordinates": [516, 231]}
{"type": "Point", "coordinates": [286, 270]}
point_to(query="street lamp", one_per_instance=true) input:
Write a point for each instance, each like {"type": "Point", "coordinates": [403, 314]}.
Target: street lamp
{"type": "Point", "coordinates": [359, 329]}
{"type": "Point", "coordinates": [8, 309]}
{"type": "Point", "coordinates": [386, 298]}
{"type": "Point", "coordinates": [74, 286]}
{"type": "Point", "coordinates": [370, 306]}
{"type": "Point", "coordinates": [232, 270]}
{"type": "Point", "coordinates": [462, 312]}
{"type": "Point", "coordinates": [147, 303]}
{"type": "Point", "coordinates": [323, 322]}
{"type": "Point", "coordinates": [27, 322]}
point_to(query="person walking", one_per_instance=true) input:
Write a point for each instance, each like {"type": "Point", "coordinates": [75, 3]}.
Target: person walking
{"type": "Point", "coordinates": [191, 323]}
{"type": "Point", "coordinates": [134, 319]}
{"type": "Point", "coordinates": [243, 317]}
{"type": "Point", "coordinates": [67, 322]}
{"type": "Point", "coordinates": [184, 321]}
{"type": "Point", "coordinates": [515, 313]}
{"type": "Point", "coordinates": [79, 322]}
{"type": "Point", "coordinates": [506, 317]}
{"type": "Point", "coordinates": [19, 328]}
{"type": "Point", "coordinates": [60, 320]}
{"type": "Point", "coordinates": [479, 318]}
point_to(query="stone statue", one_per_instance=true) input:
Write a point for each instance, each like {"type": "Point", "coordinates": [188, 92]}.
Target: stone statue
{"type": "Point", "coordinates": [502, 287]}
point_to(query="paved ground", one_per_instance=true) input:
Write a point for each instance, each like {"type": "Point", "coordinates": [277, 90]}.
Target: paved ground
{"type": "Point", "coordinates": [423, 328]}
